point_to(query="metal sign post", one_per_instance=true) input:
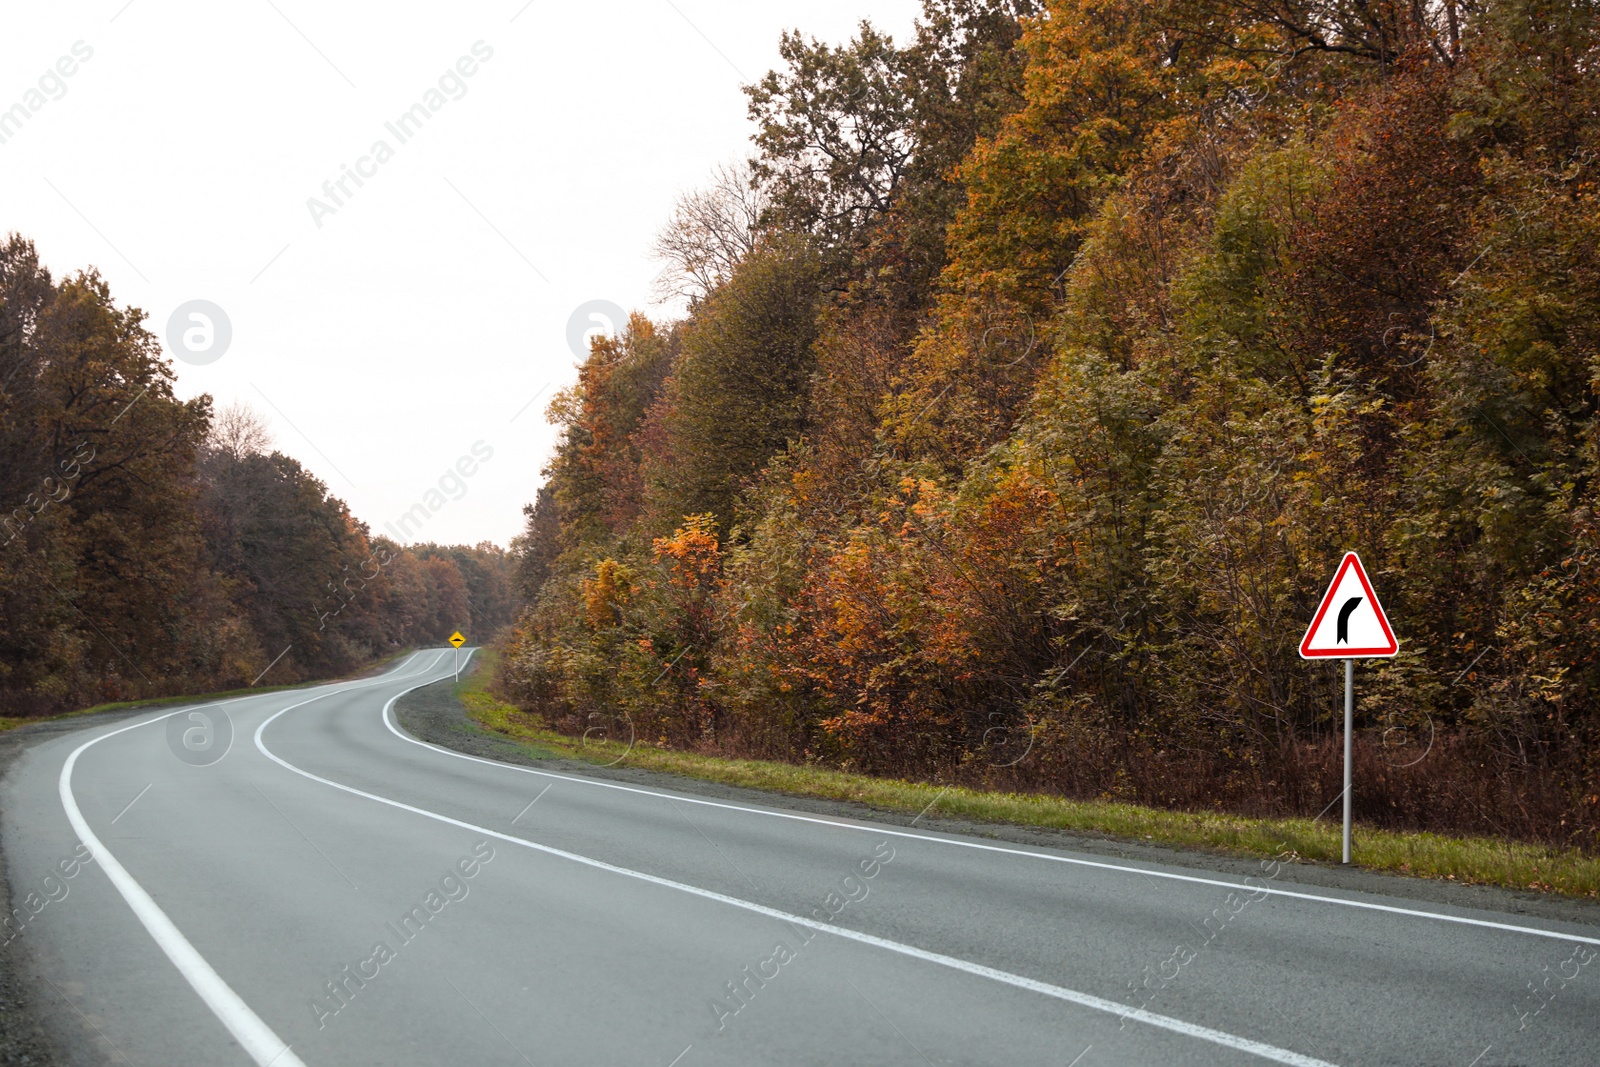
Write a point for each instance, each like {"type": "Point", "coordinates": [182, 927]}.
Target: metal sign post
{"type": "Point", "coordinates": [457, 641]}
{"type": "Point", "coordinates": [1359, 628]}
{"type": "Point", "coordinates": [1349, 716]}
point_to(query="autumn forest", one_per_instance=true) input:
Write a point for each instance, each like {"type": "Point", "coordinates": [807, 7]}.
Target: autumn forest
{"type": "Point", "coordinates": [151, 546]}
{"type": "Point", "coordinates": [1025, 386]}
{"type": "Point", "coordinates": [1038, 369]}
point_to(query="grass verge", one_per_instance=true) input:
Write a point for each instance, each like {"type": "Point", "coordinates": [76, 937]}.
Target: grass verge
{"type": "Point", "coordinates": [1465, 860]}
{"type": "Point", "coordinates": [7, 723]}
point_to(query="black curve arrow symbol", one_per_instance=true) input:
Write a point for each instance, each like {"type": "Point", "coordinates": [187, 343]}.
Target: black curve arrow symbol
{"type": "Point", "coordinates": [1350, 605]}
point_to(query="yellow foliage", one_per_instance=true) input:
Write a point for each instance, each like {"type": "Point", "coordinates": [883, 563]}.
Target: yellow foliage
{"type": "Point", "coordinates": [606, 593]}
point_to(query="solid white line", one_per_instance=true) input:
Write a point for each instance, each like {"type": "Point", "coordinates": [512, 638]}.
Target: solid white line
{"type": "Point", "coordinates": [257, 1039]}
{"type": "Point", "coordinates": [872, 828]}
{"type": "Point", "coordinates": [1162, 1022]}
{"type": "Point", "coordinates": [255, 1036]}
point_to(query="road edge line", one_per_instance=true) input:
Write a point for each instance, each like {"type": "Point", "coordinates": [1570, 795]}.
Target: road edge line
{"type": "Point", "coordinates": [258, 1040]}
{"type": "Point", "coordinates": [1086, 1000]}
{"type": "Point", "coordinates": [1072, 860]}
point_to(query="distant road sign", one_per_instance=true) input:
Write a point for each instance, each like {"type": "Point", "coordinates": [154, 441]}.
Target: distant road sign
{"type": "Point", "coordinates": [1350, 623]}
{"type": "Point", "coordinates": [457, 640]}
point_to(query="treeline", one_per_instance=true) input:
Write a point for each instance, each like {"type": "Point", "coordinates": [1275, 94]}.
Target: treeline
{"type": "Point", "coordinates": [1037, 372]}
{"type": "Point", "coordinates": [149, 546]}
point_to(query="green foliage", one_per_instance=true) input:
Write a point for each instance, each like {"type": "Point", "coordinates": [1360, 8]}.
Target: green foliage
{"type": "Point", "coordinates": [739, 388]}
{"type": "Point", "coordinates": [858, 145]}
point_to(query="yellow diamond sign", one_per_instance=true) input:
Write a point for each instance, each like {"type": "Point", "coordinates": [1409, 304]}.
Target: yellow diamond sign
{"type": "Point", "coordinates": [457, 640]}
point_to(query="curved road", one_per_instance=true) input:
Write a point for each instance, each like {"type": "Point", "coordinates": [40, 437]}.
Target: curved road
{"type": "Point", "coordinates": [333, 891]}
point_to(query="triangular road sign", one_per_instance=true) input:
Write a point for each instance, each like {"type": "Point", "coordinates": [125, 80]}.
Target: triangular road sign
{"type": "Point", "coordinates": [1350, 622]}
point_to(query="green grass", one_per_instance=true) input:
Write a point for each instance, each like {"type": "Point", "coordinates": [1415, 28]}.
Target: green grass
{"type": "Point", "coordinates": [1466, 860]}
{"type": "Point", "coordinates": [163, 702]}
{"type": "Point", "coordinates": [487, 710]}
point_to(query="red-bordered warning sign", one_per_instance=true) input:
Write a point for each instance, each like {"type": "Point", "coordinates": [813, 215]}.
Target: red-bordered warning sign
{"type": "Point", "coordinates": [1350, 622]}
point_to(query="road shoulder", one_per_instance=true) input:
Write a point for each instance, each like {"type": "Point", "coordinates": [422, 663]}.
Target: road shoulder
{"type": "Point", "coordinates": [435, 715]}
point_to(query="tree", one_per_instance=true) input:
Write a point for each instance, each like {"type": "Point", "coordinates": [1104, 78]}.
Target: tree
{"type": "Point", "coordinates": [1076, 347]}
{"type": "Point", "coordinates": [738, 391]}
{"type": "Point", "coordinates": [710, 231]}
{"type": "Point", "coordinates": [239, 432]}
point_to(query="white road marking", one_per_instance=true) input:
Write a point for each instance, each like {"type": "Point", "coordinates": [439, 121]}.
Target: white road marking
{"type": "Point", "coordinates": [1072, 996]}
{"type": "Point", "coordinates": [255, 1036]}
{"type": "Point", "coordinates": [259, 1041]}
{"type": "Point", "coordinates": [873, 828]}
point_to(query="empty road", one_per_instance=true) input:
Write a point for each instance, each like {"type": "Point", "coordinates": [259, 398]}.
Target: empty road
{"type": "Point", "coordinates": [291, 879]}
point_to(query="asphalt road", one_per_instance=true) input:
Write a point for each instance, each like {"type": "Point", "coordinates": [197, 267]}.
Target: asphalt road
{"type": "Point", "coordinates": [333, 891]}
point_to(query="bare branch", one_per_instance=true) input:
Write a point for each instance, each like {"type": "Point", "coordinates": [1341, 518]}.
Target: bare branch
{"type": "Point", "coordinates": [710, 231]}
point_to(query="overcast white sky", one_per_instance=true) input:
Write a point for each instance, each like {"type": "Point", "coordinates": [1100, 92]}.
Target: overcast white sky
{"type": "Point", "coordinates": [433, 304]}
